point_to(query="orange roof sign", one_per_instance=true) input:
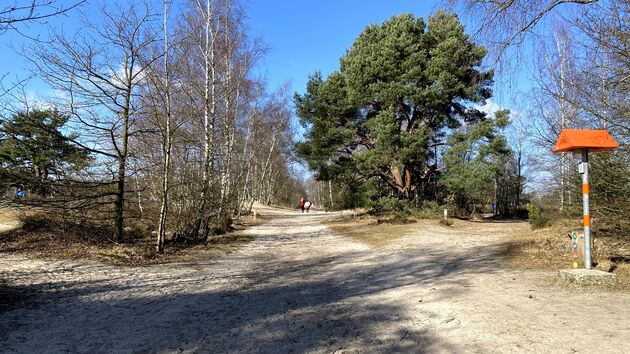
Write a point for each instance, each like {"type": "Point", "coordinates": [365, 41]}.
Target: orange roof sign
{"type": "Point", "coordinates": [579, 139]}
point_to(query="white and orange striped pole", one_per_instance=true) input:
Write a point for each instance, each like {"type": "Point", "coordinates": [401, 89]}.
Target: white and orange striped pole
{"type": "Point", "coordinates": [586, 217]}
{"type": "Point", "coordinates": [585, 139]}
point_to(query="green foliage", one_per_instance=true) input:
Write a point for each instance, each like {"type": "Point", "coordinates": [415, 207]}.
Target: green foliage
{"type": "Point", "coordinates": [400, 87]}
{"type": "Point", "coordinates": [428, 209]}
{"type": "Point", "coordinates": [34, 151]}
{"type": "Point", "coordinates": [357, 195]}
{"type": "Point", "coordinates": [537, 218]}
{"type": "Point", "coordinates": [476, 156]}
{"type": "Point", "coordinates": [390, 206]}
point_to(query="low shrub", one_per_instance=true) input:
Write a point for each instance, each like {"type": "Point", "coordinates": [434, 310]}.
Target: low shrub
{"type": "Point", "coordinates": [36, 222]}
{"type": "Point", "coordinates": [390, 206]}
{"type": "Point", "coordinates": [64, 228]}
{"type": "Point", "coordinates": [521, 213]}
{"type": "Point", "coordinates": [536, 216]}
{"type": "Point", "coordinates": [428, 209]}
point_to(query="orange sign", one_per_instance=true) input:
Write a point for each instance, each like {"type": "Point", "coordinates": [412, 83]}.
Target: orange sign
{"type": "Point", "coordinates": [579, 139]}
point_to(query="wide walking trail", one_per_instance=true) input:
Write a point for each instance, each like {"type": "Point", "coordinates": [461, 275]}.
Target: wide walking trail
{"type": "Point", "coordinates": [299, 288]}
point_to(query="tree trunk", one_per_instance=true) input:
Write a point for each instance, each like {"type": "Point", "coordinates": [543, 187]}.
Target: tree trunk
{"type": "Point", "coordinates": [120, 196]}
{"type": "Point", "coordinates": [167, 143]}
{"type": "Point", "coordinates": [518, 177]}
{"type": "Point", "coordinates": [401, 187]}
{"type": "Point", "coordinates": [122, 152]}
{"type": "Point", "coordinates": [332, 205]}
{"type": "Point", "coordinates": [266, 168]}
{"type": "Point", "coordinates": [209, 114]}
{"type": "Point", "coordinates": [230, 117]}
{"type": "Point", "coordinates": [247, 159]}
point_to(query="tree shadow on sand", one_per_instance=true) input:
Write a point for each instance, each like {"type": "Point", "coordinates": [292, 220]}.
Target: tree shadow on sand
{"type": "Point", "coordinates": [322, 304]}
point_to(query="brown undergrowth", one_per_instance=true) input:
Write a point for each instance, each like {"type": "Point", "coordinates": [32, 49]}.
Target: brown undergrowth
{"type": "Point", "coordinates": [34, 236]}
{"type": "Point", "coordinates": [549, 249]}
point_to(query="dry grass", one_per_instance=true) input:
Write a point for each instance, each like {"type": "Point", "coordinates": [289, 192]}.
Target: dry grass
{"type": "Point", "coordinates": [374, 231]}
{"type": "Point", "coordinates": [384, 230]}
{"type": "Point", "coordinates": [45, 243]}
{"type": "Point", "coordinates": [546, 249]}
{"type": "Point", "coordinates": [550, 249]}
{"type": "Point", "coordinates": [9, 219]}
{"type": "Point", "coordinates": [137, 253]}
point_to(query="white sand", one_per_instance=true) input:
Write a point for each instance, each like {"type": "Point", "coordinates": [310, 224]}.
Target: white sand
{"type": "Point", "coordinates": [298, 288]}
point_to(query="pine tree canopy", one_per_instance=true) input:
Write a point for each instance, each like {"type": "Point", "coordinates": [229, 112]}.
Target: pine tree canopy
{"type": "Point", "coordinates": [34, 151]}
{"type": "Point", "coordinates": [400, 89]}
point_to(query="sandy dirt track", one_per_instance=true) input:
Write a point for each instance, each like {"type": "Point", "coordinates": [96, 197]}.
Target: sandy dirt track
{"type": "Point", "coordinates": [299, 288]}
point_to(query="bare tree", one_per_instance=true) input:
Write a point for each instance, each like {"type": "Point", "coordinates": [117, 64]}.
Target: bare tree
{"type": "Point", "coordinates": [506, 23]}
{"type": "Point", "coordinates": [183, 136]}
{"type": "Point", "coordinates": [98, 72]}
{"type": "Point", "coordinates": [208, 49]}
{"type": "Point", "coordinates": [14, 12]}
{"type": "Point", "coordinates": [555, 77]}
{"type": "Point", "coordinates": [220, 119]}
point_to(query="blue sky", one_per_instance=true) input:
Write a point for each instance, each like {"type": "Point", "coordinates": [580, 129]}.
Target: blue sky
{"type": "Point", "coordinates": [302, 36]}
{"type": "Point", "coordinates": [305, 36]}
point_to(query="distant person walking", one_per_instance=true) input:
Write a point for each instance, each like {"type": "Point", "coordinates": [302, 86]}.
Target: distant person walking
{"type": "Point", "coordinates": [307, 205]}
{"type": "Point", "coordinates": [302, 202]}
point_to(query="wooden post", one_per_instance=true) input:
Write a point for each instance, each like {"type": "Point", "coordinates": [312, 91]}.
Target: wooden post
{"type": "Point", "coordinates": [580, 250]}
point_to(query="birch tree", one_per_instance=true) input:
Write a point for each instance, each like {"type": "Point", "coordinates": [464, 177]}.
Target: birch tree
{"type": "Point", "coordinates": [594, 81]}
{"type": "Point", "coordinates": [167, 139]}
{"type": "Point", "coordinates": [208, 50]}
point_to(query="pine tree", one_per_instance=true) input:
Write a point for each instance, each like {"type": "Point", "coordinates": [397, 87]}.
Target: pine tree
{"type": "Point", "coordinates": [34, 151]}
{"type": "Point", "coordinates": [400, 88]}
{"type": "Point", "coordinates": [476, 157]}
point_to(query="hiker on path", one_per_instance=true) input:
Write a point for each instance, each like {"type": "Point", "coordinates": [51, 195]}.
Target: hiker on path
{"type": "Point", "coordinates": [307, 205]}
{"type": "Point", "coordinates": [302, 202]}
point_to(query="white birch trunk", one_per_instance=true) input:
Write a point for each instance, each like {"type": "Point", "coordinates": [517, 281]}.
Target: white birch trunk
{"type": "Point", "coordinates": [167, 142]}
{"type": "Point", "coordinates": [332, 204]}
{"type": "Point", "coordinates": [209, 110]}
{"type": "Point", "coordinates": [561, 105]}
{"type": "Point", "coordinates": [266, 168]}
{"type": "Point", "coordinates": [229, 118]}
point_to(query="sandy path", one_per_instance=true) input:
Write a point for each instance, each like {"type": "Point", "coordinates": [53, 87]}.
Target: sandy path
{"type": "Point", "coordinates": [299, 288]}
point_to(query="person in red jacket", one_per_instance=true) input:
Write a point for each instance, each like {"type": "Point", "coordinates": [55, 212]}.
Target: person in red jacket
{"type": "Point", "coordinates": [302, 204]}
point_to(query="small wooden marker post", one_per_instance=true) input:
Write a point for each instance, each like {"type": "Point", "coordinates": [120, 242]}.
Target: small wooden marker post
{"type": "Point", "coordinates": [255, 214]}
{"type": "Point", "coordinates": [583, 141]}
{"type": "Point", "coordinates": [446, 215]}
